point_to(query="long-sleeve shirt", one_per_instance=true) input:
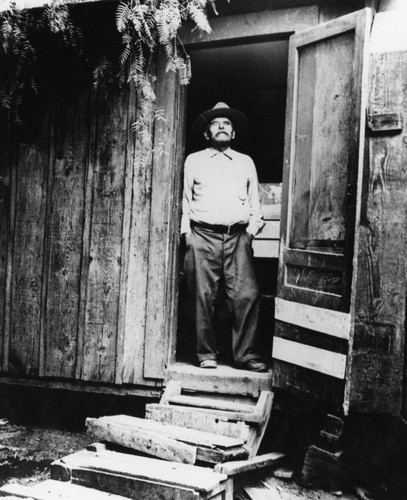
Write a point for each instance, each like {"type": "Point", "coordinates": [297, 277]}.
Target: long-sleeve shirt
{"type": "Point", "coordinates": [221, 188]}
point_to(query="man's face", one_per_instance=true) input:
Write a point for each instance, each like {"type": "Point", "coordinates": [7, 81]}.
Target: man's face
{"type": "Point", "coordinates": [220, 132]}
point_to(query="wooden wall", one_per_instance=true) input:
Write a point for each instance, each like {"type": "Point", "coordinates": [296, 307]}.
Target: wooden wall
{"type": "Point", "coordinates": [377, 356]}
{"type": "Point", "coordinates": [89, 231]}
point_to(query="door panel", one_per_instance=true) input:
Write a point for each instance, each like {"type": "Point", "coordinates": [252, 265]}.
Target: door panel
{"type": "Point", "coordinates": [321, 192]}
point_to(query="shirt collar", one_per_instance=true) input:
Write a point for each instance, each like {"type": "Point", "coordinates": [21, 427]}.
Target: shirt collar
{"type": "Point", "coordinates": [214, 152]}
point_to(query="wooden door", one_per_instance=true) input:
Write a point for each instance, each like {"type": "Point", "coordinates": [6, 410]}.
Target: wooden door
{"type": "Point", "coordinates": [321, 198]}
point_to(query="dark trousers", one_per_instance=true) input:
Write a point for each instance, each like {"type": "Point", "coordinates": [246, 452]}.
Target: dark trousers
{"type": "Point", "coordinates": [209, 257]}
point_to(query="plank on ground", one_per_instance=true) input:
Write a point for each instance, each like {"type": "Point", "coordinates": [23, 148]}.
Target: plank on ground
{"type": "Point", "coordinates": [50, 490]}
{"type": "Point", "coordinates": [190, 436]}
{"type": "Point", "coordinates": [141, 439]}
{"type": "Point", "coordinates": [196, 420]}
{"type": "Point", "coordinates": [133, 466]}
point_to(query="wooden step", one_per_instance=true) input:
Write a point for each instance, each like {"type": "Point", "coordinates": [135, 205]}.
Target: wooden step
{"type": "Point", "coordinates": [55, 490]}
{"type": "Point", "coordinates": [190, 418]}
{"type": "Point", "coordinates": [169, 442]}
{"type": "Point", "coordinates": [223, 380]}
{"type": "Point", "coordinates": [218, 414]}
{"type": "Point", "coordinates": [141, 477]}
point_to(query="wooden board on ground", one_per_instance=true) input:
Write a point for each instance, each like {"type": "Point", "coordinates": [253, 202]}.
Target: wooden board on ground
{"type": "Point", "coordinates": [140, 477]}
{"type": "Point", "coordinates": [51, 490]}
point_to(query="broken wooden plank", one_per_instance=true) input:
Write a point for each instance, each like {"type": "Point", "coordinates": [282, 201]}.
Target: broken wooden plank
{"type": "Point", "coordinates": [190, 436]}
{"type": "Point", "coordinates": [260, 462]}
{"type": "Point", "coordinates": [192, 419]}
{"type": "Point", "coordinates": [143, 440]}
{"type": "Point", "coordinates": [135, 467]}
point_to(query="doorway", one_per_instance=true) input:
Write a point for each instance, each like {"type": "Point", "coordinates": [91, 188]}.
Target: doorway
{"type": "Point", "coordinates": [251, 77]}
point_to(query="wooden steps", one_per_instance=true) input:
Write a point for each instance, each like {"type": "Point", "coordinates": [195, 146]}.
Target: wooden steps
{"type": "Point", "coordinates": [190, 427]}
{"type": "Point", "coordinates": [169, 442]}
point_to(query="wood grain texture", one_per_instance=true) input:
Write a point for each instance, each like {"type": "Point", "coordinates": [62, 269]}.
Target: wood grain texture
{"type": "Point", "coordinates": [377, 359]}
{"type": "Point", "coordinates": [333, 323]}
{"type": "Point", "coordinates": [142, 439]}
{"type": "Point", "coordinates": [29, 231]}
{"type": "Point", "coordinates": [161, 247]}
{"type": "Point", "coordinates": [335, 153]}
{"type": "Point", "coordinates": [150, 469]}
{"type": "Point", "coordinates": [138, 261]}
{"type": "Point", "coordinates": [104, 274]}
{"type": "Point", "coordinates": [66, 216]}
{"type": "Point", "coordinates": [196, 420]}
{"type": "Point", "coordinates": [181, 433]}
{"type": "Point", "coordinates": [313, 358]}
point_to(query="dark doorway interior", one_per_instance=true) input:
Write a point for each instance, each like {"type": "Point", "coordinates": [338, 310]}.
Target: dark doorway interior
{"type": "Point", "coordinates": [251, 77]}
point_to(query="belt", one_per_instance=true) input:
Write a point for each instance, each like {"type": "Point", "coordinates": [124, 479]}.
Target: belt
{"type": "Point", "coordinates": [219, 228]}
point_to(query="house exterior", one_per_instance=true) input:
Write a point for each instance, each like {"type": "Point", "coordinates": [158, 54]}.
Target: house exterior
{"type": "Point", "coordinates": [90, 219]}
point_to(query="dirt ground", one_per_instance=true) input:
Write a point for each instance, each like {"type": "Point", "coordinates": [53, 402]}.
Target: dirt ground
{"type": "Point", "coordinates": [26, 452]}
{"type": "Point", "coordinates": [40, 426]}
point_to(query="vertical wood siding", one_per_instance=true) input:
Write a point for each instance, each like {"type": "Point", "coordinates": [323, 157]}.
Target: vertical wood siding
{"type": "Point", "coordinates": [91, 259]}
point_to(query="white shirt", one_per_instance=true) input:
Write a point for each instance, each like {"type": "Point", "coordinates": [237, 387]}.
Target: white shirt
{"type": "Point", "coordinates": [221, 188]}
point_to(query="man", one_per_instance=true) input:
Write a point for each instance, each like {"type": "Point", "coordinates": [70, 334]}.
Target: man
{"type": "Point", "coordinates": [221, 216]}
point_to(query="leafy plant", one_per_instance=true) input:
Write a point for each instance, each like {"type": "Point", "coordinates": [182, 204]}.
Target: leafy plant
{"type": "Point", "coordinates": [145, 27]}
{"type": "Point", "coordinates": [18, 53]}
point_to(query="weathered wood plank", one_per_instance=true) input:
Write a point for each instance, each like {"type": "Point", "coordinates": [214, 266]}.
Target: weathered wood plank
{"type": "Point", "coordinates": [255, 463]}
{"type": "Point", "coordinates": [377, 358]}
{"type": "Point", "coordinates": [263, 408]}
{"type": "Point", "coordinates": [224, 380]}
{"type": "Point", "coordinates": [326, 321]}
{"type": "Point", "coordinates": [313, 358]}
{"type": "Point", "coordinates": [195, 420]}
{"type": "Point", "coordinates": [143, 439]}
{"type": "Point", "coordinates": [131, 487]}
{"type": "Point", "coordinates": [235, 416]}
{"type": "Point", "coordinates": [50, 490]}
{"type": "Point", "coordinates": [266, 22]}
{"type": "Point", "coordinates": [26, 285]}
{"type": "Point", "coordinates": [70, 150]}
{"type": "Point", "coordinates": [103, 284]}
{"type": "Point", "coordinates": [137, 467]}
{"type": "Point", "coordinates": [132, 370]}
{"type": "Point", "coordinates": [210, 404]}
{"type": "Point", "coordinates": [190, 436]}
{"type": "Point", "coordinates": [161, 246]}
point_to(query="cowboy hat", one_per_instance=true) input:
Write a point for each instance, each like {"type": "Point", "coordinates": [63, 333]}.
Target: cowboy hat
{"type": "Point", "coordinates": [220, 110]}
